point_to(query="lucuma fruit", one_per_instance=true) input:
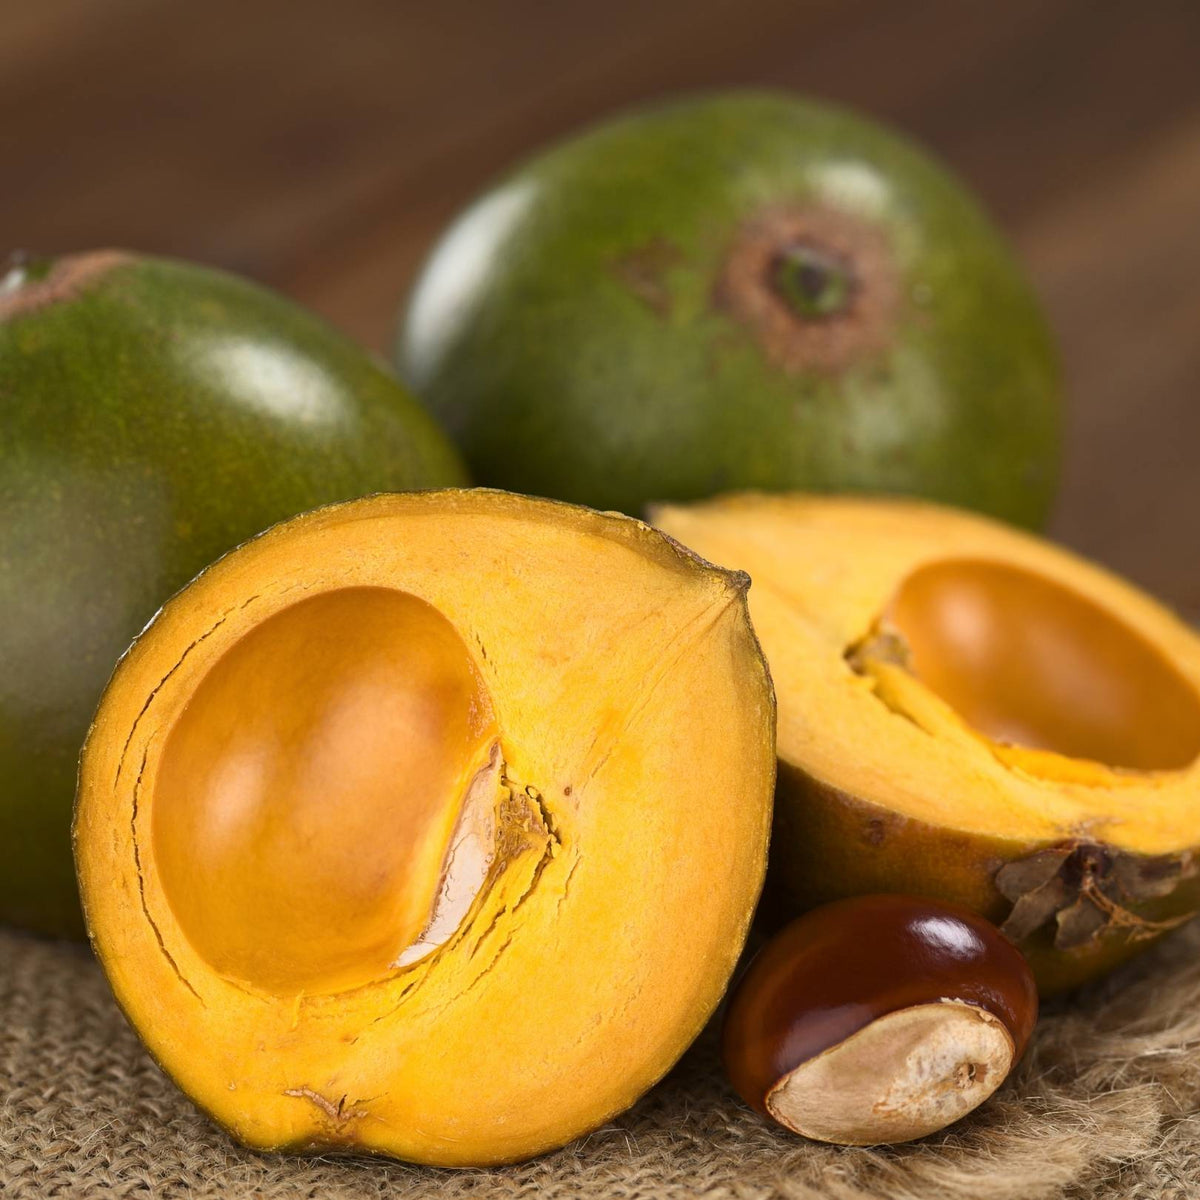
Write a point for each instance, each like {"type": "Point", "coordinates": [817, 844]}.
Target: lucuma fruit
{"type": "Point", "coordinates": [155, 414]}
{"type": "Point", "coordinates": [430, 825]}
{"type": "Point", "coordinates": [740, 291]}
{"type": "Point", "coordinates": [970, 713]}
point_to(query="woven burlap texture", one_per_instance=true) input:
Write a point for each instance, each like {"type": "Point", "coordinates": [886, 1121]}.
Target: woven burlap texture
{"type": "Point", "coordinates": [1106, 1104]}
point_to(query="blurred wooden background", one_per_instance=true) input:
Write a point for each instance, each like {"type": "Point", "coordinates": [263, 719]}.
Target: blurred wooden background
{"type": "Point", "coordinates": [319, 146]}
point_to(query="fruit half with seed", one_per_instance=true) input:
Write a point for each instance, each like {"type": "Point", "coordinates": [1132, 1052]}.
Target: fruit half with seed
{"type": "Point", "coordinates": [970, 713]}
{"type": "Point", "coordinates": [738, 290]}
{"type": "Point", "coordinates": [430, 824]}
{"type": "Point", "coordinates": [878, 1019]}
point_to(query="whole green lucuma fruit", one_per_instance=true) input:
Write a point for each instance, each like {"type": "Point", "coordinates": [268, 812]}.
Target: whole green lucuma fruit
{"type": "Point", "coordinates": [737, 291]}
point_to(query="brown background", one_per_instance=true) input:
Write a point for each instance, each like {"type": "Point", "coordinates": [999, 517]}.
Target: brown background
{"type": "Point", "coordinates": [320, 146]}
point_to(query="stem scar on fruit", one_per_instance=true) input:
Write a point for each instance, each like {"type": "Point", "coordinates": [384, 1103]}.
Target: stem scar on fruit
{"type": "Point", "coordinates": [818, 287]}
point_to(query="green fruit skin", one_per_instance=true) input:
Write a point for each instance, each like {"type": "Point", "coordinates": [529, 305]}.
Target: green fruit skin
{"type": "Point", "coordinates": [152, 421]}
{"type": "Point", "coordinates": [558, 376]}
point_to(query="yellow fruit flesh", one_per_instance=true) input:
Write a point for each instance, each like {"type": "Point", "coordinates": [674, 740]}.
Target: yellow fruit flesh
{"type": "Point", "coordinates": [611, 687]}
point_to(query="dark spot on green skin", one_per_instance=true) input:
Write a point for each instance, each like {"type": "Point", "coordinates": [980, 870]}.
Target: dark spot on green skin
{"type": "Point", "coordinates": [644, 272]}
{"type": "Point", "coordinates": [815, 284]}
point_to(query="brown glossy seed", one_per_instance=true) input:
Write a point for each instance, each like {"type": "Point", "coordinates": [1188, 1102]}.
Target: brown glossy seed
{"type": "Point", "coordinates": [878, 1019]}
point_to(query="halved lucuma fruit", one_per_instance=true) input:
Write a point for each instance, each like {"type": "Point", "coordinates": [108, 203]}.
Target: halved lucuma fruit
{"type": "Point", "coordinates": [970, 713]}
{"type": "Point", "coordinates": [430, 824]}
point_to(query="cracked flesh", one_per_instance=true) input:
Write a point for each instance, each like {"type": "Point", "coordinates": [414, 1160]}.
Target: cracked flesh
{"type": "Point", "coordinates": [314, 789]}
{"type": "Point", "coordinates": [1031, 663]}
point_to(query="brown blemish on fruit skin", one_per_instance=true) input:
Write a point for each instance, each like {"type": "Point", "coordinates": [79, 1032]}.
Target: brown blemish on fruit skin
{"type": "Point", "coordinates": [828, 344]}
{"type": "Point", "coordinates": [875, 832]}
{"type": "Point", "coordinates": [644, 272]}
{"type": "Point", "coordinates": [66, 279]}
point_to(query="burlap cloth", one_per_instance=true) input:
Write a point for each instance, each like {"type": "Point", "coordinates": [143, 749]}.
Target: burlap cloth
{"type": "Point", "coordinates": [1107, 1104]}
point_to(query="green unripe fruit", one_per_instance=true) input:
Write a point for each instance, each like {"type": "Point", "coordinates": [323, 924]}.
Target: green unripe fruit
{"type": "Point", "coordinates": [155, 414]}
{"type": "Point", "coordinates": [740, 291]}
